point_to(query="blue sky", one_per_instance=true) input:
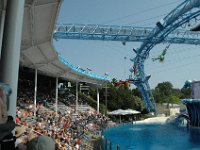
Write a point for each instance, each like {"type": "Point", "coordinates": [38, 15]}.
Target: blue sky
{"type": "Point", "coordinates": [181, 61]}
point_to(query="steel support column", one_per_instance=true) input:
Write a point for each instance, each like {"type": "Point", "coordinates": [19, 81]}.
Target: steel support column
{"type": "Point", "coordinates": [97, 100]}
{"type": "Point", "coordinates": [106, 97]}
{"type": "Point", "coordinates": [10, 53]}
{"type": "Point", "coordinates": [3, 13]}
{"type": "Point", "coordinates": [56, 104]}
{"type": "Point", "coordinates": [76, 96]}
{"type": "Point", "coordinates": [35, 94]}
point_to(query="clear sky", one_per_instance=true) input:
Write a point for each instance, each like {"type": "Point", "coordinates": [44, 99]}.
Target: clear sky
{"type": "Point", "coordinates": [181, 61]}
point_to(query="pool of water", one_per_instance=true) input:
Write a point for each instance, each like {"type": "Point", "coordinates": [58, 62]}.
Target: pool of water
{"type": "Point", "coordinates": [153, 137]}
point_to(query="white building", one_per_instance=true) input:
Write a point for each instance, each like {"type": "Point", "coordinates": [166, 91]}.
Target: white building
{"type": "Point", "coordinates": [196, 89]}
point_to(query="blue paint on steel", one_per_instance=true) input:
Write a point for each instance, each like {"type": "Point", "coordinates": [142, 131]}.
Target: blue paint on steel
{"type": "Point", "coordinates": [193, 108]}
{"type": "Point", "coordinates": [121, 33]}
{"type": "Point", "coordinates": [83, 71]}
{"type": "Point", "coordinates": [180, 15]}
{"type": "Point", "coordinates": [163, 32]}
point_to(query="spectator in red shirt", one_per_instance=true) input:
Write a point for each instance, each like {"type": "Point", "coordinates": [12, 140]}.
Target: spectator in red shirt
{"type": "Point", "coordinates": [18, 121]}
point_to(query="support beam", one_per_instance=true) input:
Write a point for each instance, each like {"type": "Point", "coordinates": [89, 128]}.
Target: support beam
{"type": "Point", "coordinates": [76, 96]}
{"type": "Point", "coordinates": [97, 100]}
{"type": "Point", "coordinates": [3, 13]}
{"type": "Point", "coordinates": [10, 53]}
{"type": "Point", "coordinates": [106, 95]}
{"type": "Point", "coordinates": [35, 94]}
{"type": "Point", "coordinates": [122, 33]}
{"type": "Point", "coordinates": [56, 104]}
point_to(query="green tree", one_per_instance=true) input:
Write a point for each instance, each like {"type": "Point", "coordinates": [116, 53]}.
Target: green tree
{"type": "Point", "coordinates": [118, 97]}
{"type": "Point", "coordinates": [137, 92]}
{"type": "Point", "coordinates": [173, 99]}
{"type": "Point", "coordinates": [162, 92]}
{"type": "Point", "coordinates": [176, 92]}
{"type": "Point", "coordinates": [123, 97]}
{"type": "Point", "coordinates": [114, 80]}
{"type": "Point", "coordinates": [186, 93]}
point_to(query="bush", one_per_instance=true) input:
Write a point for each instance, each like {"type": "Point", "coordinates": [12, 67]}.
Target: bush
{"type": "Point", "coordinates": [93, 103]}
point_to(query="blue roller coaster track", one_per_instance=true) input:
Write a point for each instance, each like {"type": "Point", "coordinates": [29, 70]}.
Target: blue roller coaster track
{"type": "Point", "coordinates": [121, 33]}
{"type": "Point", "coordinates": [165, 31]}
{"type": "Point", "coordinates": [188, 10]}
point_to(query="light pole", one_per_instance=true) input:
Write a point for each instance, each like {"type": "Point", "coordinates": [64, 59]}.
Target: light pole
{"type": "Point", "coordinates": [106, 94]}
{"type": "Point", "coordinates": [125, 67]}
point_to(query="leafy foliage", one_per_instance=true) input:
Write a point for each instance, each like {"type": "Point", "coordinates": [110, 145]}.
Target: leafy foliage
{"type": "Point", "coordinates": [92, 102]}
{"type": "Point", "coordinates": [186, 93]}
{"type": "Point", "coordinates": [165, 93]}
{"type": "Point", "coordinates": [123, 97]}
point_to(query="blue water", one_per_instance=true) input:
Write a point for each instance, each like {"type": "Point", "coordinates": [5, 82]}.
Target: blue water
{"type": "Point", "coordinates": [153, 137]}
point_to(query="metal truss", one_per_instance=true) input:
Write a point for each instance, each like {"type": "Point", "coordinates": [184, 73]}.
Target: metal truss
{"type": "Point", "coordinates": [121, 33]}
{"type": "Point", "coordinates": [186, 11]}
{"type": "Point", "coordinates": [163, 32]}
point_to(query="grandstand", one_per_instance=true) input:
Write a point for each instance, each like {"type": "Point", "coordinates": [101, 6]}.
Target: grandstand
{"type": "Point", "coordinates": [26, 31]}
{"type": "Point", "coordinates": [36, 51]}
{"type": "Point", "coordinates": [83, 125]}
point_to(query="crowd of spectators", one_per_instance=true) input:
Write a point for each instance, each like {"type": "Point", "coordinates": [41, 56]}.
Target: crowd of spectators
{"type": "Point", "coordinates": [69, 129]}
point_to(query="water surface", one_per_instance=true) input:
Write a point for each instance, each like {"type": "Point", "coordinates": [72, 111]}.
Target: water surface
{"type": "Point", "coordinates": [153, 137]}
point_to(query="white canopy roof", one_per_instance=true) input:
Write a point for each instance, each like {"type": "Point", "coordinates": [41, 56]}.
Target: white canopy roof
{"type": "Point", "coordinates": [123, 112]}
{"type": "Point", "coordinates": [37, 51]}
